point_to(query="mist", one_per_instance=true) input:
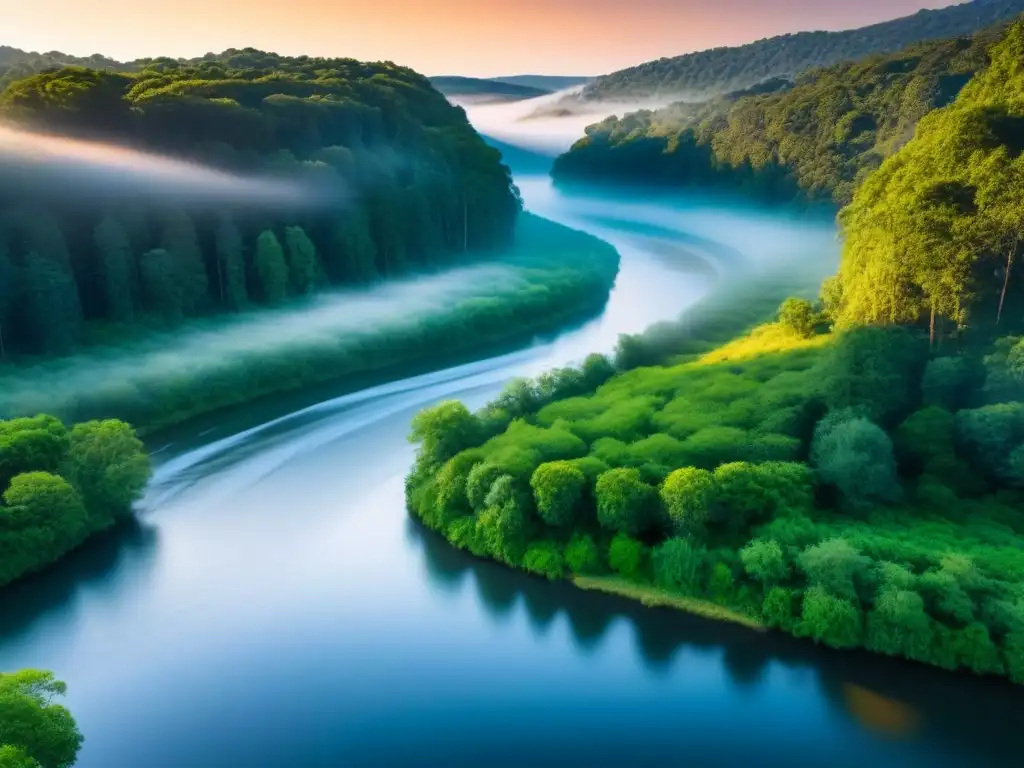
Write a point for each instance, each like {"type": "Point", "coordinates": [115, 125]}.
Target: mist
{"type": "Point", "coordinates": [547, 124]}
{"type": "Point", "coordinates": [63, 167]}
{"type": "Point", "coordinates": [348, 320]}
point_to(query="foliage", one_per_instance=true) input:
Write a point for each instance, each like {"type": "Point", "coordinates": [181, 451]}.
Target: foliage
{"type": "Point", "coordinates": [624, 501]}
{"type": "Point", "coordinates": [856, 456]}
{"type": "Point", "coordinates": [582, 555]}
{"type": "Point", "coordinates": [688, 495]}
{"type": "Point", "coordinates": [59, 487]}
{"type": "Point", "coordinates": [810, 141]}
{"type": "Point", "coordinates": [544, 558]}
{"type": "Point", "coordinates": [406, 184]}
{"type": "Point", "coordinates": [626, 556]}
{"type": "Point", "coordinates": [720, 70]}
{"type": "Point", "coordinates": [799, 316]}
{"type": "Point", "coordinates": [765, 561]}
{"type": "Point", "coordinates": [558, 488]}
{"type": "Point", "coordinates": [34, 730]}
{"type": "Point", "coordinates": [677, 565]}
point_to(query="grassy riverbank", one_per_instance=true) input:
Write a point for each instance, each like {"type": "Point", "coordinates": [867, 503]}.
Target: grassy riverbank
{"type": "Point", "coordinates": [553, 277]}
{"type": "Point", "coordinates": [654, 597]}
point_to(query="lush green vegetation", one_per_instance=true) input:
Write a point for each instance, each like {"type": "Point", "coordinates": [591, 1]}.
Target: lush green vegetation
{"type": "Point", "coordinates": [58, 486]}
{"type": "Point", "coordinates": [551, 277]}
{"type": "Point", "coordinates": [845, 488]}
{"type": "Point", "coordinates": [932, 237]}
{"type": "Point", "coordinates": [421, 189]}
{"type": "Point", "coordinates": [721, 70]}
{"type": "Point", "coordinates": [35, 731]}
{"type": "Point", "coordinates": [812, 141]}
{"type": "Point", "coordinates": [852, 473]}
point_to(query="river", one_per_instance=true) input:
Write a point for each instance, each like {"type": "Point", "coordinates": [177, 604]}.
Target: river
{"type": "Point", "coordinates": [275, 606]}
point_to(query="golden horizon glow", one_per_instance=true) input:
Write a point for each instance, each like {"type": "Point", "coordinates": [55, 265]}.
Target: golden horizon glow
{"type": "Point", "coordinates": [480, 38]}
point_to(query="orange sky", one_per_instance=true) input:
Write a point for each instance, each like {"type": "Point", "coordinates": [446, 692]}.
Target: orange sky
{"type": "Point", "coordinates": [471, 37]}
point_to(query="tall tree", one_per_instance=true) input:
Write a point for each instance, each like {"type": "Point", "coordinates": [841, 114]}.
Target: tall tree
{"type": "Point", "coordinates": [8, 294]}
{"type": "Point", "coordinates": [179, 239]}
{"type": "Point", "coordinates": [160, 284]}
{"type": "Point", "coordinates": [271, 267]}
{"type": "Point", "coordinates": [303, 265]}
{"type": "Point", "coordinates": [114, 253]}
{"type": "Point", "coordinates": [353, 253]}
{"type": "Point", "coordinates": [231, 265]}
{"type": "Point", "coordinates": [52, 313]}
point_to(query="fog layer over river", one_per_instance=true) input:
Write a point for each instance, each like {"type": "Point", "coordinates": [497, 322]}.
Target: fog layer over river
{"type": "Point", "coordinates": [275, 606]}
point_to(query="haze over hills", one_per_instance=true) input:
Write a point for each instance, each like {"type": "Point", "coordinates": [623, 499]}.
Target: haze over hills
{"type": "Point", "coordinates": [496, 89]}
{"type": "Point", "coordinates": [720, 70]}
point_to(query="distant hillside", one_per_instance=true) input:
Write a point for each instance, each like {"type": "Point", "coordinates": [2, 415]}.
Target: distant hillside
{"type": "Point", "coordinates": [16, 63]}
{"type": "Point", "coordinates": [545, 82]}
{"type": "Point", "coordinates": [814, 140]}
{"type": "Point", "coordinates": [481, 88]}
{"type": "Point", "coordinates": [720, 70]}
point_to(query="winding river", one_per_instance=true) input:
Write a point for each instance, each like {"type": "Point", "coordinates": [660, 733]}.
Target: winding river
{"type": "Point", "coordinates": [275, 606]}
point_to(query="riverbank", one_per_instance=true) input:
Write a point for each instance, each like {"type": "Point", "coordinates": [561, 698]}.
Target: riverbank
{"type": "Point", "coordinates": [837, 487]}
{"type": "Point", "coordinates": [554, 277]}
{"type": "Point", "coordinates": [653, 597]}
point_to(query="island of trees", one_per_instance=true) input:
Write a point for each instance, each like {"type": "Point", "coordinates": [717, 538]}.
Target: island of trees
{"type": "Point", "coordinates": [852, 472]}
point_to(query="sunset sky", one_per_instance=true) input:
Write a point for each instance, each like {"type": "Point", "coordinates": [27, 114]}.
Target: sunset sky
{"type": "Point", "coordinates": [469, 37]}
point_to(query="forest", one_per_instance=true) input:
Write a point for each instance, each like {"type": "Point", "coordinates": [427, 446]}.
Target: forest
{"type": "Point", "coordinates": [720, 70]}
{"type": "Point", "coordinates": [423, 191]}
{"type": "Point", "coordinates": [551, 277]}
{"type": "Point", "coordinates": [809, 142]}
{"type": "Point", "coordinates": [851, 472]}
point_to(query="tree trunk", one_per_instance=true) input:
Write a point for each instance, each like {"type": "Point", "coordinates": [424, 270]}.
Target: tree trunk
{"type": "Point", "coordinates": [931, 328]}
{"type": "Point", "coordinates": [1006, 279]}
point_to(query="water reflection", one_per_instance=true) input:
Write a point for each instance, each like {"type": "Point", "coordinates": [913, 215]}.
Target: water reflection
{"type": "Point", "coordinates": [958, 716]}
{"type": "Point", "coordinates": [125, 553]}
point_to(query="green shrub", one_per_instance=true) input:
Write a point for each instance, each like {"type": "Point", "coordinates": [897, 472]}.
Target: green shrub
{"type": "Point", "coordinates": [688, 495]}
{"type": "Point", "coordinates": [834, 565]}
{"type": "Point", "coordinates": [899, 625]}
{"type": "Point", "coordinates": [989, 436]}
{"type": "Point", "coordinates": [856, 457]}
{"type": "Point", "coordinates": [829, 619]}
{"type": "Point", "coordinates": [677, 565]}
{"type": "Point", "coordinates": [765, 561]}
{"type": "Point", "coordinates": [582, 555]}
{"type": "Point", "coordinates": [479, 482]}
{"type": "Point", "coordinates": [557, 489]}
{"type": "Point", "coordinates": [626, 556]}
{"type": "Point", "coordinates": [624, 501]}
{"type": "Point", "coordinates": [799, 316]}
{"type": "Point", "coordinates": [976, 651]}
{"type": "Point", "coordinates": [777, 608]}
{"type": "Point", "coordinates": [721, 582]}
{"type": "Point", "coordinates": [544, 559]}
{"type": "Point", "coordinates": [946, 382]}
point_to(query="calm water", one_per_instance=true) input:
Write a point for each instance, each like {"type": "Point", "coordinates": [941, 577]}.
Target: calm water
{"type": "Point", "coordinates": [275, 606]}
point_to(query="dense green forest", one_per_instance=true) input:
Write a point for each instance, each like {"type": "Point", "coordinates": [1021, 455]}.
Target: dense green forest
{"type": "Point", "coordinates": [552, 276]}
{"type": "Point", "coordinates": [932, 237]}
{"type": "Point", "coordinates": [721, 70]}
{"type": "Point", "coordinates": [59, 486]}
{"type": "Point", "coordinates": [35, 731]}
{"type": "Point", "coordinates": [851, 473]}
{"type": "Point", "coordinates": [811, 141]}
{"type": "Point", "coordinates": [422, 190]}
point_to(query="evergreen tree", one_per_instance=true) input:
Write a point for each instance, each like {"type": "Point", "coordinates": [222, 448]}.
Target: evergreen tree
{"type": "Point", "coordinates": [113, 250]}
{"type": "Point", "coordinates": [8, 295]}
{"type": "Point", "coordinates": [52, 314]}
{"type": "Point", "coordinates": [353, 253]}
{"type": "Point", "coordinates": [231, 265]}
{"type": "Point", "coordinates": [179, 239]}
{"type": "Point", "coordinates": [303, 265]}
{"type": "Point", "coordinates": [160, 284]}
{"type": "Point", "coordinates": [271, 267]}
